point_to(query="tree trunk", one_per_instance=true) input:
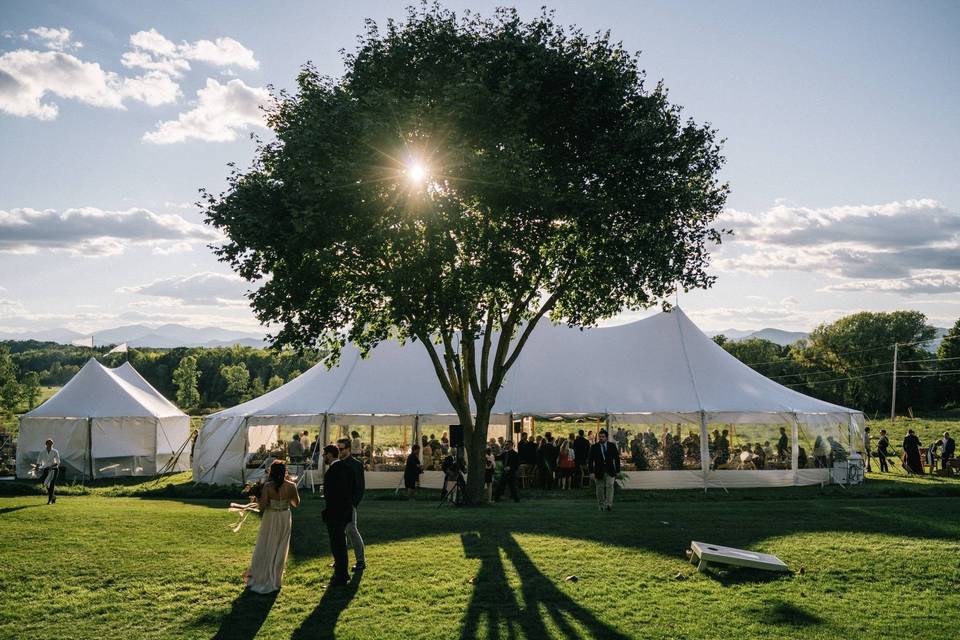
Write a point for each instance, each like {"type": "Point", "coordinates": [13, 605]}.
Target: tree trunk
{"type": "Point", "coordinates": [476, 446]}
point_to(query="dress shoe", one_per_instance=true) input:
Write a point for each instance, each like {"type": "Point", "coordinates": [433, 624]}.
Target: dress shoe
{"type": "Point", "coordinates": [360, 566]}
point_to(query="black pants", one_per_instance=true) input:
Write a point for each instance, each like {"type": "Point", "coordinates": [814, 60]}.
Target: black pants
{"type": "Point", "coordinates": [336, 529]}
{"type": "Point", "coordinates": [882, 459]}
{"type": "Point", "coordinates": [53, 483]}
{"type": "Point", "coordinates": [508, 479]}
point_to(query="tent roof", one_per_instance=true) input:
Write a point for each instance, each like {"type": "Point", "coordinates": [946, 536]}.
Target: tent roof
{"type": "Point", "coordinates": [99, 392]}
{"type": "Point", "coordinates": [661, 365]}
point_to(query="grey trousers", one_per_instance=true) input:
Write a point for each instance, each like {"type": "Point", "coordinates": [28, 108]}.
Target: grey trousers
{"type": "Point", "coordinates": [605, 490]}
{"type": "Point", "coordinates": [354, 536]}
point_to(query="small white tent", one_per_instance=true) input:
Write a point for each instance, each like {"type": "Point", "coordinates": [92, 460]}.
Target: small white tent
{"type": "Point", "coordinates": [658, 371]}
{"type": "Point", "coordinates": [106, 422]}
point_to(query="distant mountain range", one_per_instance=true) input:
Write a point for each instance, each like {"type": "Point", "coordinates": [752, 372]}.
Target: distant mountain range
{"type": "Point", "coordinates": [166, 336]}
{"type": "Point", "coordinates": [784, 338]}
{"type": "Point", "coordinates": [778, 336]}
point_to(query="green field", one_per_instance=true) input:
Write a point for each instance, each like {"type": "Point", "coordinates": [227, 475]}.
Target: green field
{"type": "Point", "coordinates": [871, 561]}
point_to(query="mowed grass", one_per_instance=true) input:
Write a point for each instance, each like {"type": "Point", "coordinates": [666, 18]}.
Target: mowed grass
{"type": "Point", "coordinates": [95, 566]}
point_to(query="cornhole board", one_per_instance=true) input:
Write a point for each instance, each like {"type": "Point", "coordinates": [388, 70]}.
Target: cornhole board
{"type": "Point", "coordinates": [707, 553]}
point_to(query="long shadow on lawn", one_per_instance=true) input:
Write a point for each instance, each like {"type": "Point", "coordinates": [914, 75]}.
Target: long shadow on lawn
{"type": "Point", "coordinates": [323, 620]}
{"type": "Point", "coordinates": [246, 616]}
{"type": "Point", "coordinates": [494, 599]}
{"type": "Point", "coordinates": [12, 509]}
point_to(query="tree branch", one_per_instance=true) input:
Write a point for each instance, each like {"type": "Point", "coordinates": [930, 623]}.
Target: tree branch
{"type": "Point", "coordinates": [531, 325]}
{"type": "Point", "coordinates": [438, 368]}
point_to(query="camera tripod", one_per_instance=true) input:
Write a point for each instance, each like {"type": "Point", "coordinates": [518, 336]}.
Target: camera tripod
{"type": "Point", "coordinates": [455, 495]}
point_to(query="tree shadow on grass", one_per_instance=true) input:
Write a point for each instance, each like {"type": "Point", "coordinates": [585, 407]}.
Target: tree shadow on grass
{"type": "Point", "coordinates": [494, 600]}
{"type": "Point", "coordinates": [786, 614]}
{"type": "Point", "coordinates": [6, 510]}
{"type": "Point", "coordinates": [246, 616]}
{"type": "Point", "coordinates": [322, 621]}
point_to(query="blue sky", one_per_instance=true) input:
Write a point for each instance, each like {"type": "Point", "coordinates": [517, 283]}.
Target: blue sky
{"type": "Point", "coordinates": [841, 120]}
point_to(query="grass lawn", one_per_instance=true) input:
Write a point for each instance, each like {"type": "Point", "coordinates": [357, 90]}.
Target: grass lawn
{"type": "Point", "coordinates": [873, 565]}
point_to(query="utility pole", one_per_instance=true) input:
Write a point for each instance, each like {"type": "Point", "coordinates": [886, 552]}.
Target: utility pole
{"type": "Point", "coordinates": [893, 398]}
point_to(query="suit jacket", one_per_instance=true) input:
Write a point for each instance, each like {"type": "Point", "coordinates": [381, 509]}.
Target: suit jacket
{"type": "Point", "coordinates": [581, 449]}
{"type": "Point", "coordinates": [948, 449]}
{"type": "Point", "coordinates": [359, 484]}
{"type": "Point", "coordinates": [511, 461]}
{"type": "Point", "coordinates": [605, 465]}
{"type": "Point", "coordinates": [338, 483]}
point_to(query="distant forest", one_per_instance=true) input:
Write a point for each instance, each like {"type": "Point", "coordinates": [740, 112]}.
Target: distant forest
{"type": "Point", "coordinates": [848, 362]}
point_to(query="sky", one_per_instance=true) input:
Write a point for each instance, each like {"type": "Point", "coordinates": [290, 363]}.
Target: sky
{"type": "Point", "coordinates": [841, 124]}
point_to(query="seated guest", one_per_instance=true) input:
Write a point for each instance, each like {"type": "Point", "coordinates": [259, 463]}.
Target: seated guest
{"type": "Point", "coordinates": [745, 459]}
{"type": "Point", "coordinates": [801, 457]}
{"type": "Point", "coordinates": [837, 452]}
{"type": "Point", "coordinates": [759, 458]}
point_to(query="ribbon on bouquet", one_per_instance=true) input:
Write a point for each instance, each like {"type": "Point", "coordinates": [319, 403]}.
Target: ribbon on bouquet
{"type": "Point", "coordinates": [242, 511]}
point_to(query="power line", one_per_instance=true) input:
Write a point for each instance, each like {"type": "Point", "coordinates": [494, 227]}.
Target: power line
{"type": "Point", "coordinates": [868, 375]}
{"type": "Point", "coordinates": [810, 373]}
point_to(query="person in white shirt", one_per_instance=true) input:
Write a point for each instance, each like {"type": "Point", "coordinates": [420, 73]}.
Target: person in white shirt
{"type": "Point", "coordinates": [48, 462]}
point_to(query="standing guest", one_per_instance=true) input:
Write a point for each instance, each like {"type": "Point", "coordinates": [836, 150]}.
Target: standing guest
{"type": "Point", "coordinates": [604, 465]}
{"type": "Point", "coordinates": [527, 452]}
{"type": "Point", "coordinates": [581, 453]}
{"type": "Point", "coordinates": [911, 453]}
{"type": "Point", "coordinates": [356, 445]}
{"type": "Point", "coordinates": [866, 447]}
{"type": "Point", "coordinates": [305, 442]}
{"type": "Point", "coordinates": [821, 453]}
{"type": "Point", "coordinates": [511, 467]}
{"type": "Point", "coordinates": [947, 449]}
{"type": "Point", "coordinates": [48, 463]}
{"type": "Point", "coordinates": [783, 445]}
{"type": "Point", "coordinates": [295, 450]}
{"type": "Point", "coordinates": [338, 494]}
{"type": "Point", "coordinates": [489, 466]}
{"type": "Point", "coordinates": [412, 471]}
{"type": "Point", "coordinates": [883, 450]}
{"type": "Point", "coordinates": [346, 456]}
{"type": "Point", "coordinates": [801, 458]}
{"type": "Point", "coordinates": [548, 460]}
{"type": "Point", "coordinates": [278, 494]}
{"type": "Point", "coordinates": [444, 444]}
{"type": "Point", "coordinates": [494, 447]}
{"type": "Point", "coordinates": [566, 463]}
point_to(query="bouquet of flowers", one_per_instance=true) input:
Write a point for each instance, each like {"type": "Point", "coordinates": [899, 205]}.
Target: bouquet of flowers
{"type": "Point", "coordinates": [621, 479]}
{"type": "Point", "coordinates": [252, 491]}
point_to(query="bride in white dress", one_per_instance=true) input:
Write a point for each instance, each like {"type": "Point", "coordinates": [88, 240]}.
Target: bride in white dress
{"type": "Point", "coordinates": [273, 540]}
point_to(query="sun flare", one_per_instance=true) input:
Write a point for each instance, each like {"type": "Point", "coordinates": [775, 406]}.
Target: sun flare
{"type": "Point", "coordinates": [416, 173]}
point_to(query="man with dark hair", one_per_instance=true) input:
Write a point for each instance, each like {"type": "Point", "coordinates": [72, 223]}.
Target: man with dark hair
{"type": "Point", "coordinates": [867, 442]}
{"type": "Point", "coordinates": [346, 456]}
{"type": "Point", "coordinates": [604, 465]}
{"type": "Point", "coordinates": [338, 493]}
{"type": "Point", "coordinates": [548, 460]}
{"type": "Point", "coordinates": [783, 445]}
{"type": "Point", "coordinates": [581, 455]}
{"type": "Point", "coordinates": [511, 468]}
{"type": "Point", "coordinates": [48, 464]}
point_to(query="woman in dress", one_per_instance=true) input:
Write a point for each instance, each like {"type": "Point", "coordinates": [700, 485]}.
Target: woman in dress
{"type": "Point", "coordinates": [911, 453]}
{"type": "Point", "coordinates": [273, 540]}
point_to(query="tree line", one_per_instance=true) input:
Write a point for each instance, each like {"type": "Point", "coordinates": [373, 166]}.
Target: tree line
{"type": "Point", "coordinates": [847, 362]}
{"type": "Point", "coordinates": [197, 379]}
{"type": "Point", "coordinates": [851, 362]}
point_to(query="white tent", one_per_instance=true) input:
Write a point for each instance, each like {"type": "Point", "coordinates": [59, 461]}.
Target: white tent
{"type": "Point", "coordinates": [659, 371]}
{"type": "Point", "coordinates": [106, 422]}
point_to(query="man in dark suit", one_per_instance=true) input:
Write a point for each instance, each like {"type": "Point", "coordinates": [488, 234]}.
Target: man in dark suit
{"type": "Point", "coordinates": [581, 455]}
{"type": "Point", "coordinates": [346, 456]}
{"type": "Point", "coordinates": [947, 450]}
{"type": "Point", "coordinates": [338, 484]}
{"type": "Point", "coordinates": [511, 468]}
{"type": "Point", "coordinates": [604, 465]}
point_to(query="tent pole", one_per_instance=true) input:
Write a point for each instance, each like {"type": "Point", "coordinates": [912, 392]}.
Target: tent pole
{"type": "Point", "coordinates": [510, 427]}
{"type": "Point", "coordinates": [704, 449]}
{"type": "Point", "coordinates": [246, 450]}
{"type": "Point", "coordinates": [416, 435]}
{"type": "Point", "coordinates": [321, 464]}
{"type": "Point", "coordinates": [795, 448]}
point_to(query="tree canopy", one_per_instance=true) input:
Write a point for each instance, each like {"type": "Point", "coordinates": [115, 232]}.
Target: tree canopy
{"type": "Point", "coordinates": [465, 178]}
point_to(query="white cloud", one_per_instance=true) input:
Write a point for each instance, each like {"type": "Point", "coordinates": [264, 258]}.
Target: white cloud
{"type": "Point", "coordinates": [153, 51]}
{"type": "Point", "coordinates": [26, 77]}
{"type": "Point", "coordinates": [168, 249]}
{"type": "Point", "coordinates": [206, 288]}
{"type": "Point", "coordinates": [755, 317]}
{"type": "Point", "coordinates": [93, 232]}
{"type": "Point", "coordinates": [222, 111]}
{"type": "Point", "coordinates": [927, 283]}
{"type": "Point", "coordinates": [57, 39]}
{"type": "Point", "coordinates": [898, 241]}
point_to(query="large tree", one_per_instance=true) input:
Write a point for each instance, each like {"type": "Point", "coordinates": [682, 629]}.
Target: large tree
{"type": "Point", "coordinates": [464, 179]}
